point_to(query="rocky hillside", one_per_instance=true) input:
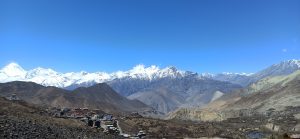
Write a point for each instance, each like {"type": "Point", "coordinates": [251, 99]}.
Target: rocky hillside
{"type": "Point", "coordinates": [274, 93]}
{"type": "Point", "coordinates": [167, 94]}
{"type": "Point", "coordinates": [19, 119]}
{"type": "Point", "coordinates": [99, 96]}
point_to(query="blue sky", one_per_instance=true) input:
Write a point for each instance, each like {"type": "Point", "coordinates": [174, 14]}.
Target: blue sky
{"type": "Point", "coordinates": [108, 35]}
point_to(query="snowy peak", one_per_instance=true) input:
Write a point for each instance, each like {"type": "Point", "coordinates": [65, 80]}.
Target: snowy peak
{"type": "Point", "coordinates": [13, 69]}
{"type": "Point", "coordinates": [283, 68]}
{"type": "Point", "coordinates": [41, 72]}
{"type": "Point", "coordinates": [140, 71]}
{"type": "Point", "coordinates": [149, 73]}
{"type": "Point", "coordinates": [172, 72]}
{"type": "Point", "coordinates": [49, 77]}
{"type": "Point", "coordinates": [289, 63]}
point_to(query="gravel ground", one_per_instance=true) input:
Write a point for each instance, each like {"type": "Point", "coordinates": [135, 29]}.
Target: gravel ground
{"type": "Point", "coordinates": [19, 120]}
{"type": "Point", "coordinates": [16, 128]}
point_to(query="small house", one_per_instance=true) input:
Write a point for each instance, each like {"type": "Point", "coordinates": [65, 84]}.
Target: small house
{"type": "Point", "coordinates": [108, 117]}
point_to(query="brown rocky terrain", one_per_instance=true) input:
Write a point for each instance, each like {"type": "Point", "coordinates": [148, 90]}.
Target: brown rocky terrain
{"type": "Point", "coordinates": [19, 119]}
{"type": "Point", "coordinates": [275, 93]}
{"type": "Point", "coordinates": [253, 127]}
{"type": "Point", "coordinates": [99, 96]}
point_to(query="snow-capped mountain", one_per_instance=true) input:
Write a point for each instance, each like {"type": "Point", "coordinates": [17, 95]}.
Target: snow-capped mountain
{"type": "Point", "coordinates": [282, 68]}
{"type": "Point", "coordinates": [182, 88]}
{"type": "Point", "coordinates": [164, 89]}
{"type": "Point", "coordinates": [12, 72]}
{"type": "Point", "coordinates": [49, 77]}
{"type": "Point", "coordinates": [72, 80]}
{"type": "Point", "coordinates": [244, 79]}
{"type": "Point", "coordinates": [149, 73]}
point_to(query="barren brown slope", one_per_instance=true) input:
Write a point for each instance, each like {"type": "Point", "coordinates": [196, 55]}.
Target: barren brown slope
{"type": "Point", "coordinates": [19, 119]}
{"type": "Point", "coordinates": [272, 92]}
{"type": "Point", "coordinates": [99, 96]}
{"type": "Point", "coordinates": [277, 96]}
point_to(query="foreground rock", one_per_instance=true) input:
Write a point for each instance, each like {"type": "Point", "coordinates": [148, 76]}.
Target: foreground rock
{"type": "Point", "coordinates": [21, 120]}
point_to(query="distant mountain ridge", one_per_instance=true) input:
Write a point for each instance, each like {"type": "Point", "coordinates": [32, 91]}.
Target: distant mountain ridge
{"type": "Point", "coordinates": [282, 68]}
{"type": "Point", "coordinates": [164, 89]}
{"type": "Point", "coordinates": [72, 80]}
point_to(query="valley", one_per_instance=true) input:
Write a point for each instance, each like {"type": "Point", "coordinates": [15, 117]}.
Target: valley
{"type": "Point", "coordinates": [150, 69]}
{"type": "Point", "coordinates": [160, 103]}
{"type": "Point", "coordinates": [20, 119]}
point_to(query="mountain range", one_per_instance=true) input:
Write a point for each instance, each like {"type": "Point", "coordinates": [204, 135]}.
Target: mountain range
{"type": "Point", "coordinates": [282, 68]}
{"type": "Point", "coordinates": [165, 90]}
{"type": "Point", "coordinates": [152, 85]}
{"type": "Point", "coordinates": [272, 93]}
{"type": "Point", "coordinates": [72, 80]}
